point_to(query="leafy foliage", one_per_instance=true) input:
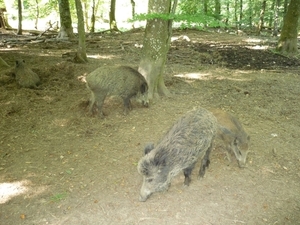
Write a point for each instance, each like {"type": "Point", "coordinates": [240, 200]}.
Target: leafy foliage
{"type": "Point", "coordinates": [185, 20]}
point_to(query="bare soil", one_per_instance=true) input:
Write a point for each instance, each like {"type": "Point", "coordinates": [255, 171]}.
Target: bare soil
{"type": "Point", "coordinates": [60, 166]}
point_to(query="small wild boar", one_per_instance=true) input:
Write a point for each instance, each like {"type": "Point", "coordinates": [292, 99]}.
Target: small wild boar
{"type": "Point", "coordinates": [188, 140]}
{"type": "Point", "coordinates": [25, 77]}
{"type": "Point", "coordinates": [232, 135]}
{"type": "Point", "coordinates": [122, 81]}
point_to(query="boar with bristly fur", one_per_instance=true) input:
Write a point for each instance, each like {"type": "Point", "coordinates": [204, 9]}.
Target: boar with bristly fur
{"type": "Point", "coordinates": [122, 81]}
{"type": "Point", "coordinates": [232, 136]}
{"type": "Point", "coordinates": [188, 140]}
{"type": "Point", "coordinates": [25, 77]}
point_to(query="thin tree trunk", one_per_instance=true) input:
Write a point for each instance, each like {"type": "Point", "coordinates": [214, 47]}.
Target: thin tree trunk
{"type": "Point", "coordinates": [262, 16]}
{"type": "Point", "coordinates": [81, 52]}
{"type": "Point", "coordinates": [132, 10]}
{"type": "Point", "coordinates": [250, 13]}
{"type": "Point", "coordinates": [93, 18]}
{"type": "Point", "coordinates": [205, 7]}
{"type": "Point", "coordinates": [217, 9]}
{"type": "Point", "coordinates": [112, 16]}
{"type": "Point", "coordinates": [270, 22]}
{"type": "Point", "coordinates": [66, 29]}
{"type": "Point", "coordinates": [86, 15]}
{"type": "Point", "coordinates": [241, 14]}
{"type": "Point", "coordinates": [19, 32]}
{"type": "Point", "coordinates": [227, 12]}
{"type": "Point", "coordinates": [276, 11]}
{"type": "Point", "coordinates": [37, 14]}
{"type": "Point", "coordinates": [235, 13]}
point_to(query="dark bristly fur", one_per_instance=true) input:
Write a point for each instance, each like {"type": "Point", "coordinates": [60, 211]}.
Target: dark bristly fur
{"type": "Point", "coordinates": [188, 140]}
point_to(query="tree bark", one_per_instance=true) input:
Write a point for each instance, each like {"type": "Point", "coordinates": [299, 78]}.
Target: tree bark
{"type": "Point", "coordinates": [66, 29]}
{"type": "Point", "coordinates": [6, 4]}
{"type": "Point", "coordinates": [37, 15]}
{"type": "Point", "coordinates": [156, 46]}
{"type": "Point", "coordinates": [276, 11]}
{"type": "Point", "coordinates": [19, 31]}
{"type": "Point", "coordinates": [262, 16]}
{"type": "Point", "coordinates": [205, 7]}
{"type": "Point", "coordinates": [81, 56]}
{"type": "Point", "coordinates": [112, 16]}
{"type": "Point", "coordinates": [250, 13]}
{"type": "Point", "coordinates": [217, 9]}
{"type": "Point", "coordinates": [227, 12]}
{"type": "Point", "coordinates": [235, 13]}
{"type": "Point", "coordinates": [85, 11]}
{"type": "Point", "coordinates": [132, 10]}
{"type": "Point", "coordinates": [93, 18]}
{"type": "Point", "coordinates": [287, 43]}
{"type": "Point", "coordinates": [241, 14]}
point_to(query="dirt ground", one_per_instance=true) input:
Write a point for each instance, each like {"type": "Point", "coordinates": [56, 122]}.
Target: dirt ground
{"type": "Point", "coordinates": [59, 166]}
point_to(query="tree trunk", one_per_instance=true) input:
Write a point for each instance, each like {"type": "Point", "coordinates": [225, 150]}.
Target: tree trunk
{"type": "Point", "coordinates": [81, 56]}
{"type": "Point", "coordinates": [270, 22]}
{"type": "Point", "coordinates": [94, 13]}
{"type": "Point", "coordinates": [66, 29]}
{"type": "Point", "coordinates": [235, 13]}
{"type": "Point", "coordinates": [3, 16]}
{"type": "Point", "coordinates": [19, 32]}
{"type": "Point", "coordinates": [132, 10]}
{"type": "Point", "coordinates": [250, 13]}
{"type": "Point", "coordinates": [93, 18]}
{"type": "Point", "coordinates": [37, 14]}
{"type": "Point", "coordinates": [205, 7]}
{"type": "Point", "coordinates": [287, 43]}
{"type": "Point", "coordinates": [241, 14]}
{"type": "Point", "coordinates": [227, 12]}
{"type": "Point", "coordinates": [262, 16]}
{"type": "Point", "coordinates": [156, 46]}
{"type": "Point", "coordinates": [112, 16]}
{"type": "Point", "coordinates": [86, 7]}
{"type": "Point", "coordinates": [217, 9]}
{"type": "Point", "coordinates": [276, 11]}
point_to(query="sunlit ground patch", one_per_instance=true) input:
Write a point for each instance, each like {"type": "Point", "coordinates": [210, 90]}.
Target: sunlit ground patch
{"type": "Point", "coordinates": [10, 190]}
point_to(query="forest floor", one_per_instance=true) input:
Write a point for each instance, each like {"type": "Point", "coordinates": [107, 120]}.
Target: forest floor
{"type": "Point", "coordinates": [60, 166]}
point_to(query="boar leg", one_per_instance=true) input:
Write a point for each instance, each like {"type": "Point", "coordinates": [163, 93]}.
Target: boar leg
{"type": "Point", "coordinates": [187, 173]}
{"type": "Point", "coordinates": [97, 102]}
{"type": "Point", "coordinates": [127, 105]}
{"type": "Point", "coordinates": [205, 162]}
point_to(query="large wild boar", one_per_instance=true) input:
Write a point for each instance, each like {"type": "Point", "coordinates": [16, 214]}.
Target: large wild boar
{"type": "Point", "coordinates": [122, 81]}
{"type": "Point", "coordinates": [232, 135]}
{"type": "Point", "coordinates": [188, 140]}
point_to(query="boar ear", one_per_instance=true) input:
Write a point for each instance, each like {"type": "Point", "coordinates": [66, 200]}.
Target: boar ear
{"type": "Point", "coordinates": [148, 148]}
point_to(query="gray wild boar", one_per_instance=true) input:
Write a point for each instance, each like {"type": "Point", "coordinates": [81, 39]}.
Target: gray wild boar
{"type": "Point", "coordinates": [232, 135]}
{"type": "Point", "coordinates": [25, 77]}
{"type": "Point", "coordinates": [188, 140]}
{"type": "Point", "coordinates": [122, 81]}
